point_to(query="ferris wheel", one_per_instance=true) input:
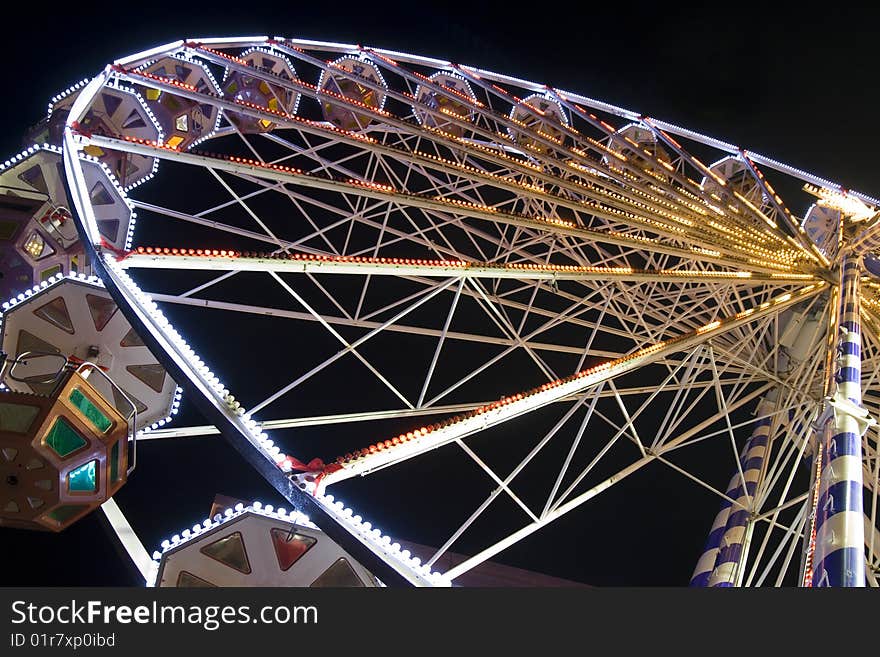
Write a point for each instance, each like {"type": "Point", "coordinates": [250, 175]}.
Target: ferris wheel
{"type": "Point", "coordinates": [358, 262]}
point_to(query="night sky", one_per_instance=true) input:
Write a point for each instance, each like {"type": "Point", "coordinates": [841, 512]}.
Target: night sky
{"type": "Point", "coordinates": [792, 84]}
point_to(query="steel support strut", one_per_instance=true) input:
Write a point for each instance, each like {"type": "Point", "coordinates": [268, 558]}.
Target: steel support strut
{"type": "Point", "coordinates": [839, 558]}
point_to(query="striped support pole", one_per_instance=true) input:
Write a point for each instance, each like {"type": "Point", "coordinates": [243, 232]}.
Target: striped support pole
{"type": "Point", "coordinates": [706, 563]}
{"type": "Point", "coordinates": [719, 562]}
{"type": "Point", "coordinates": [814, 450]}
{"type": "Point", "coordinates": [839, 558]}
{"type": "Point", "coordinates": [733, 542]}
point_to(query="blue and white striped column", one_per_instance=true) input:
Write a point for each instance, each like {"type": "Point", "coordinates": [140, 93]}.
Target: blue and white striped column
{"type": "Point", "coordinates": [839, 558]}
{"type": "Point", "coordinates": [720, 560]}
{"type": "Point", "coordinates": [706, 563]}
{"type": "Point", "coordinates": [732, 545]}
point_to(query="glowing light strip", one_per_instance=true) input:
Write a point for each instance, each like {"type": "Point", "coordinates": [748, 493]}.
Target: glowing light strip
{"type": "Point", "coordinates": [64, 94]}
{"type": "Point", "coordinates": [229, 260]}
{"type": "Point", "coordinates": [458, 120]}
{"type": "Point", "coordinates": [537, 88]}
{"type": "Point", "coordinates": [814, 502]}
{"type": "Point", "coordinates": [232, 42]}
{"type": "Point", "coordinates": [441, 204]}
{"type": "Point", "coordinates": [694, 190]}
{"type": "Point", "coordinates": [709, 173]}
{"type": "Point", "coordinates": [184, 357]}
{"type": "Point", "coordinates": [214, 391]}
{"type": "Point", "coordinates": [357, 139]}
{"type": "Point", "coordinates": [429, 437]}
{"type": "Point", "coordinates": [288, 120]}
{"type": "Point", "coordinates": [151, 53]}
{"type": "Point", "coordinates": [26, 153]}
{"type": "Point", "coordinates": [807, 247]}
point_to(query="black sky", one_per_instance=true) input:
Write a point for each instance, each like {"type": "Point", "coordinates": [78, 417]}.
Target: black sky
{"type": "Point", "coordinates": [787, 82]}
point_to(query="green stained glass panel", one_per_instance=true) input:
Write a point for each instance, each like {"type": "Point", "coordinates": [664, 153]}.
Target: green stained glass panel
{"type": "Point", "coordinates": [63, 439]}
{"type": "Point", "coordinates": [114, 462]}
{"type": "Point", "coordinates": [82, 479]}
{"type": "Point", "coordinates": [64, 513]}
{"type": "Point", "coordinates": [92, 413]}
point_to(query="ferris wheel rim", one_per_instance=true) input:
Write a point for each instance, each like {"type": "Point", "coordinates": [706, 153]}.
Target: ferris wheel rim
{"type": "Point", "coordinates": [82, 102]}
{"type": "Point", "coordinates": [632, 115]}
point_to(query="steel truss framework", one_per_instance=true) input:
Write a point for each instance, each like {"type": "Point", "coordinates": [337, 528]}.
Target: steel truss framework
{"type": "Point", "coordinates": [559, 303]}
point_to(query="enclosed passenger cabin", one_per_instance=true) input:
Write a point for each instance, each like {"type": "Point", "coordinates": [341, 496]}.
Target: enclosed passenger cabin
{"type": "Point", "coordinates": [638, 148]}
{"type": "Point", "coordinates": [542, 117]}
{"type": "Point", "coordinates": [256, 91]}
{"type": "Point", "coordinates": [738, 180]}
{"type": "Point", "coordinates": [61, 455]}
{"type": "Point", "coordinates": [38, 238]}
{"type": "Point", "coordinates": [355, 79]}
{"type": "Point", "coordinates": [78, 321]}
{"type": "Point", "coordinates": [114, 112]}
{"type": "Point", "coordinates": [445, 100]}
{"type": "Point", "coordinates": [255, 546]}
{"type": "Point", "coordinates": [183, 121]}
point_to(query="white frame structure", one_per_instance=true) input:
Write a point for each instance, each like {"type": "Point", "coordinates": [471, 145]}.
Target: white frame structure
{"type": "Point", "coordinates": [683, 300]}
